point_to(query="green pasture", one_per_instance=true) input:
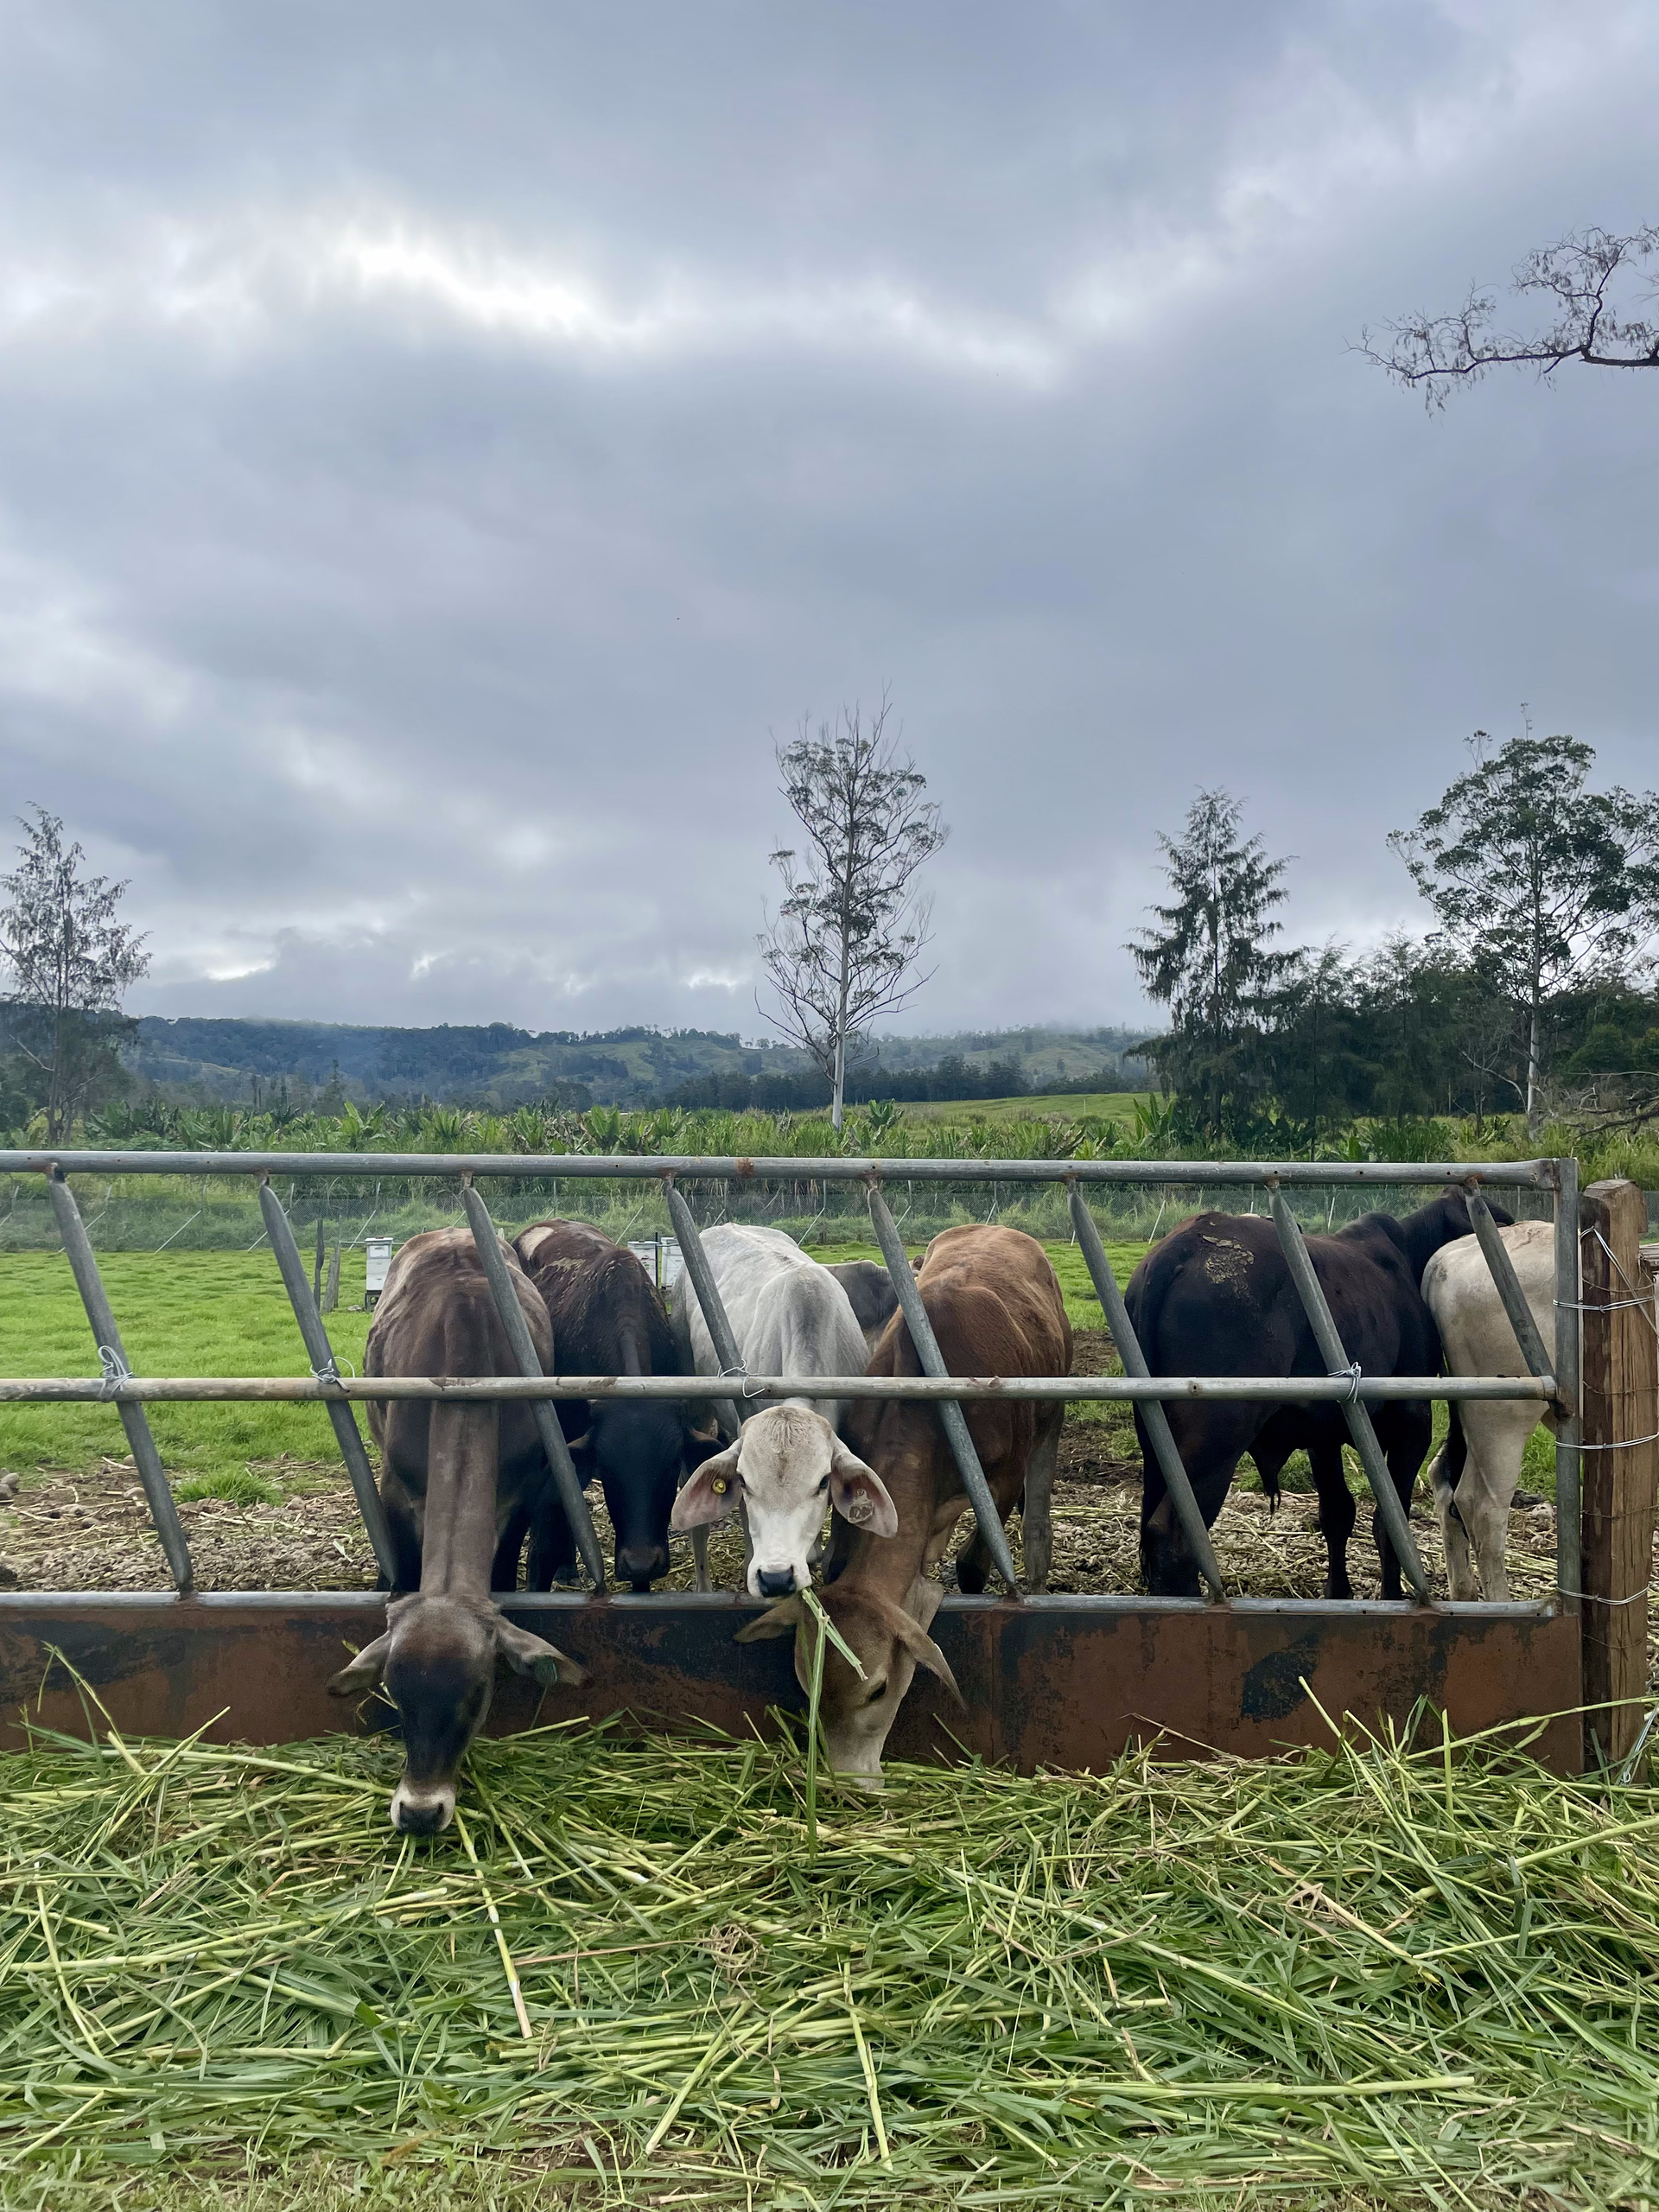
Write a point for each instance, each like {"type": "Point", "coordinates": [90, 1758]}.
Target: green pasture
{"type": "Point", "coordinates": [1073, 1106]}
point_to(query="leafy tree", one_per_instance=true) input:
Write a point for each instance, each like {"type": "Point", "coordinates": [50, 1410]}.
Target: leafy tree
{"type": "Point", "coordinates": [1589, 275]}
{"type": "Point", "coordinates": [1316, 1040]}
{"type": "Point", "coordinates": [1539, 883]}
{"type": "Point", "coordinates": [69, 961]}
{"type": "Point", "coordinates": [1211, 964]}
{"type": "Point", "coordinates": [849, 929]}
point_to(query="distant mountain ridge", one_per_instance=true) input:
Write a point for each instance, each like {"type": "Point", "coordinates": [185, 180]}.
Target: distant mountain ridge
{"type": "Point", "coordinates": [239, 1060]}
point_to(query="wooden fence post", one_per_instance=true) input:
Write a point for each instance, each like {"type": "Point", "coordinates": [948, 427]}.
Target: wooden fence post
{"type": "Point", "coordinates": [1621, 1463]}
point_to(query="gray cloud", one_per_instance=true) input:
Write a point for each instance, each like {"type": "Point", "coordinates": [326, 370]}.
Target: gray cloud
{"type": "Point", "coordinates": [435, 454]}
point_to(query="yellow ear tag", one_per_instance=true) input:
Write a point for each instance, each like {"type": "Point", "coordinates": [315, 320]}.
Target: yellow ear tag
{"type": "Point", "coordinates": [718, 1485]}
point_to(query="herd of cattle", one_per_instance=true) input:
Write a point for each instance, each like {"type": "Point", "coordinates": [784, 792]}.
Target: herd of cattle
{"type": "Point", "coordinates": [467, 1486]}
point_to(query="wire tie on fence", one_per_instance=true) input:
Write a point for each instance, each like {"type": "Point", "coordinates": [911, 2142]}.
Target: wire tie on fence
{"type": "Point", "coordinates": [327, 1374]}
{"type": "Point", "coordinates": [1588, 1598]}
{"type": "Point", "coordinates": [115, 1370]}
{"type": "Point", "coordinates": [1623, 1444]}
{"type": "Point", "coordinates": [1352, 1372]}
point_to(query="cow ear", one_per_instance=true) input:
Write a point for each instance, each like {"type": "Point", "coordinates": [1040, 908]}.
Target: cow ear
{"type": "Point", "coordinates": [530, 1655]}
{"type": "Point", "coordinates": [711, 1492]}
{"type": "Point", "coordinates": [781, 1619]}
{"type": "Point", "coordinates": [922, 1648]}
{"type": "Point", "coordinates": [365, 1671]}
{"type": "Point", "coordinates": [697, 1445]}
{"type": "Point", "coordinates": [858, 1494]}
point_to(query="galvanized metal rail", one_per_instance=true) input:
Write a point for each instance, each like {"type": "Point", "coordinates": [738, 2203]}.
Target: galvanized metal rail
{"type": "Point", "coordinates": [1343, 1385]}
{"type": "Point", "coordinates": [449, 1167]}
{"type": "Point", "coordinates": [1254, 1390]}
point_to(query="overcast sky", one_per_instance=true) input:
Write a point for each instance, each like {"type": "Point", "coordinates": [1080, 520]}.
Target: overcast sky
{"type": "Point", "coordinates": [441, 448]}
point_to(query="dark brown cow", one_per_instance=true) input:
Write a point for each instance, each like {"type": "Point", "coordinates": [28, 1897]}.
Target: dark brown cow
{"type": "Point", "coordinates": [453, 1477]}
{"type": "Point", "coordinates": [996, 1309]}
{"type": "Point", "coordinates": [607, 1319]}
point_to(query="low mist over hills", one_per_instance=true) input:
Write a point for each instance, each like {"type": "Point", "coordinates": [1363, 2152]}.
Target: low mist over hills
{"type": "Point", "coordinates": [255, 1062]}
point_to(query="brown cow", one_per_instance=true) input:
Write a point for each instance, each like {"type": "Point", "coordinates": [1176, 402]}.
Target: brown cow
{"type": "Point", "coordinates": [453, 1476]}
{"type": "Point", "coordinates": [996, 1309]}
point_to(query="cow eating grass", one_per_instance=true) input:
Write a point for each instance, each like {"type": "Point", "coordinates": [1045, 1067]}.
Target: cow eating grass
{"type": "Point", "coordinates": [787, 1465]}
{"type": "Point", "coordinates": [454, 1478]}
{"type": "Point", "coordinates": [606, 1320]}
{"type": "Point", "coordinates": [995, 1308]}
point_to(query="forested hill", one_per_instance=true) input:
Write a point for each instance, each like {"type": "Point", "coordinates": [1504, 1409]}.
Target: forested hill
{"type": "Point", "coordinates": [253, 1061]}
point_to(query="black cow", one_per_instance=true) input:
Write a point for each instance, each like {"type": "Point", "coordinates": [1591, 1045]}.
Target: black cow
{"type": "Point", "coordinates": [871, 1294]}
{"type": "Point", "coordinates": [607, 1319]}
{"type": "Point", "coordinates": [1216, 1298]}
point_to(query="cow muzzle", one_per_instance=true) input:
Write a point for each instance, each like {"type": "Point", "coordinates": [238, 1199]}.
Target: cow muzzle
{"type": "Point", "coordinates": [774, 1581]}
{"type": "Point", "coordinates": [641, 1564]}
{"type": "Point", "coordinates": [422, 1809]}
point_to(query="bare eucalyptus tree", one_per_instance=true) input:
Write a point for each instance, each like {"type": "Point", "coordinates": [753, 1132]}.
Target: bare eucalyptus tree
{"type": "Point", "coordinates": [66, 962]}
{"type": "Point", "coordinates": [851, 928]}
{"type": "Point", "coordinates": [1597, 279]}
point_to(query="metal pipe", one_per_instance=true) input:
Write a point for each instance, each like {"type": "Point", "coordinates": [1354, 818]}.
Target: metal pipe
{"type": "Point", "coordinates": [952, 1420]}
{"type": "Point", "coordinates": [709, 1298]}
{"type": "Point", "coordinates": [1569, 1389]}
{"type": "Point", "coordinates": [112, 1359]}
{"type": "Point", "coordinates": [1156, 1421]}
{"type": "Point", "coordinates": [1500, 1174]}
{"type": "Point", "coordinates": [1295, 1389]}
{"type": "Point", "coordinates": [321, 1353]}
{"type": "Point", "coordinates": [563, 1466]}
{"type": "Point", "coordinates": [1325, 1336]}
{"type": "Point", "coordinates": [1531, 1344]}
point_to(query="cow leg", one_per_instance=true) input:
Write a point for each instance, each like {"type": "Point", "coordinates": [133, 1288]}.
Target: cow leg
{"type": "Point", "coordinates": [1410, 1431]}
{"type": "Point", "coordinates": [700, 1553]}
{"type": "Point", "coordinates": [1336, 1515]}
{"type": "Point", "coordinates": [1445, 1475]}
{"type": "Point", "coordinates": [406, 1544]}
{"type": "Point", "coordinates": [552, 1544]}
{"type": "Point", "coordinates": [1036, 1515]}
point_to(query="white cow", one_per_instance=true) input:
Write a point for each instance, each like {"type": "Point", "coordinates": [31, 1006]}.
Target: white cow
{"type": "Point", "coordinates": [790, 1316]}
{"type": "Point", "coordinates": [1477, 1469]}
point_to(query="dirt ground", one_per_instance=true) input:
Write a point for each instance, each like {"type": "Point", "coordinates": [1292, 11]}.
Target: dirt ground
{"type": "Point", "coordinates": [88, 1528]}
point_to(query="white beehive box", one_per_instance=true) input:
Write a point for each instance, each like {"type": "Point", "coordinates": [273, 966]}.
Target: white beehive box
{"type": "Point", "coordinates": [377, 1253]}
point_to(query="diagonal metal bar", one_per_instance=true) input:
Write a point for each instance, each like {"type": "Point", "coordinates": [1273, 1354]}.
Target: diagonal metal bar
{"type": "Point", "coordinates": [112, 1359]}
{"type": "Point", "coordinates": [566, 1480]}
{"type": "Point", "coordinates": [1155, 1419]}
{"type": "Point", "coordinates": [1569, 1382]}
{"type": "Point", "coordinates": [952, 1420]}
{"type": "Point", "coordinates": [714, 1311]}
{"type": "Point", "coordinates": [1539, 1361]}
{"type": "Point", "coordinates": [1393, 1514]}
{"type": "Point", "coordinates": [321, 1353]}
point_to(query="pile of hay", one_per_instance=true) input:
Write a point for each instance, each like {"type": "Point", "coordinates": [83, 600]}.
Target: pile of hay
{"type": "Point", "coordinates": [1423, 1974]}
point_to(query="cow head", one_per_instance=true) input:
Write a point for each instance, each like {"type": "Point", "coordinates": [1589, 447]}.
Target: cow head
{"type": "Point", "coordinates": [787, 1465]}
{"type": "Point", "coordinates": [858, 1712]}
{"type": "Point", "coordinates": [639, 1451]}
{"type": "Point", "coordinates": [437, 1664]}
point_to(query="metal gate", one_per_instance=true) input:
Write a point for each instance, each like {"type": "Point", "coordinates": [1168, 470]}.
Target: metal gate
{"type": "Point", "coordinates": [1048, 1681]}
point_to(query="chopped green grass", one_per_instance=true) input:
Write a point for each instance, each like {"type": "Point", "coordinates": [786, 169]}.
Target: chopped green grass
{"type": "Point", "coordinates": [1378, 1975]}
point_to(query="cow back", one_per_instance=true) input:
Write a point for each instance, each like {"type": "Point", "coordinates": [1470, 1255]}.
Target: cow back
{"type": "Point", "coordinates": [606, 1315]}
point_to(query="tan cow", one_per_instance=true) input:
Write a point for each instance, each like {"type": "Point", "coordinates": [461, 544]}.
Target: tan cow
{"type": "Point", "coordinates": [995, 1308]}
{"type": "Point", "coordinates": [453, 1477]}
{"type": "Point", "coordinates": [1477, 1469]}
